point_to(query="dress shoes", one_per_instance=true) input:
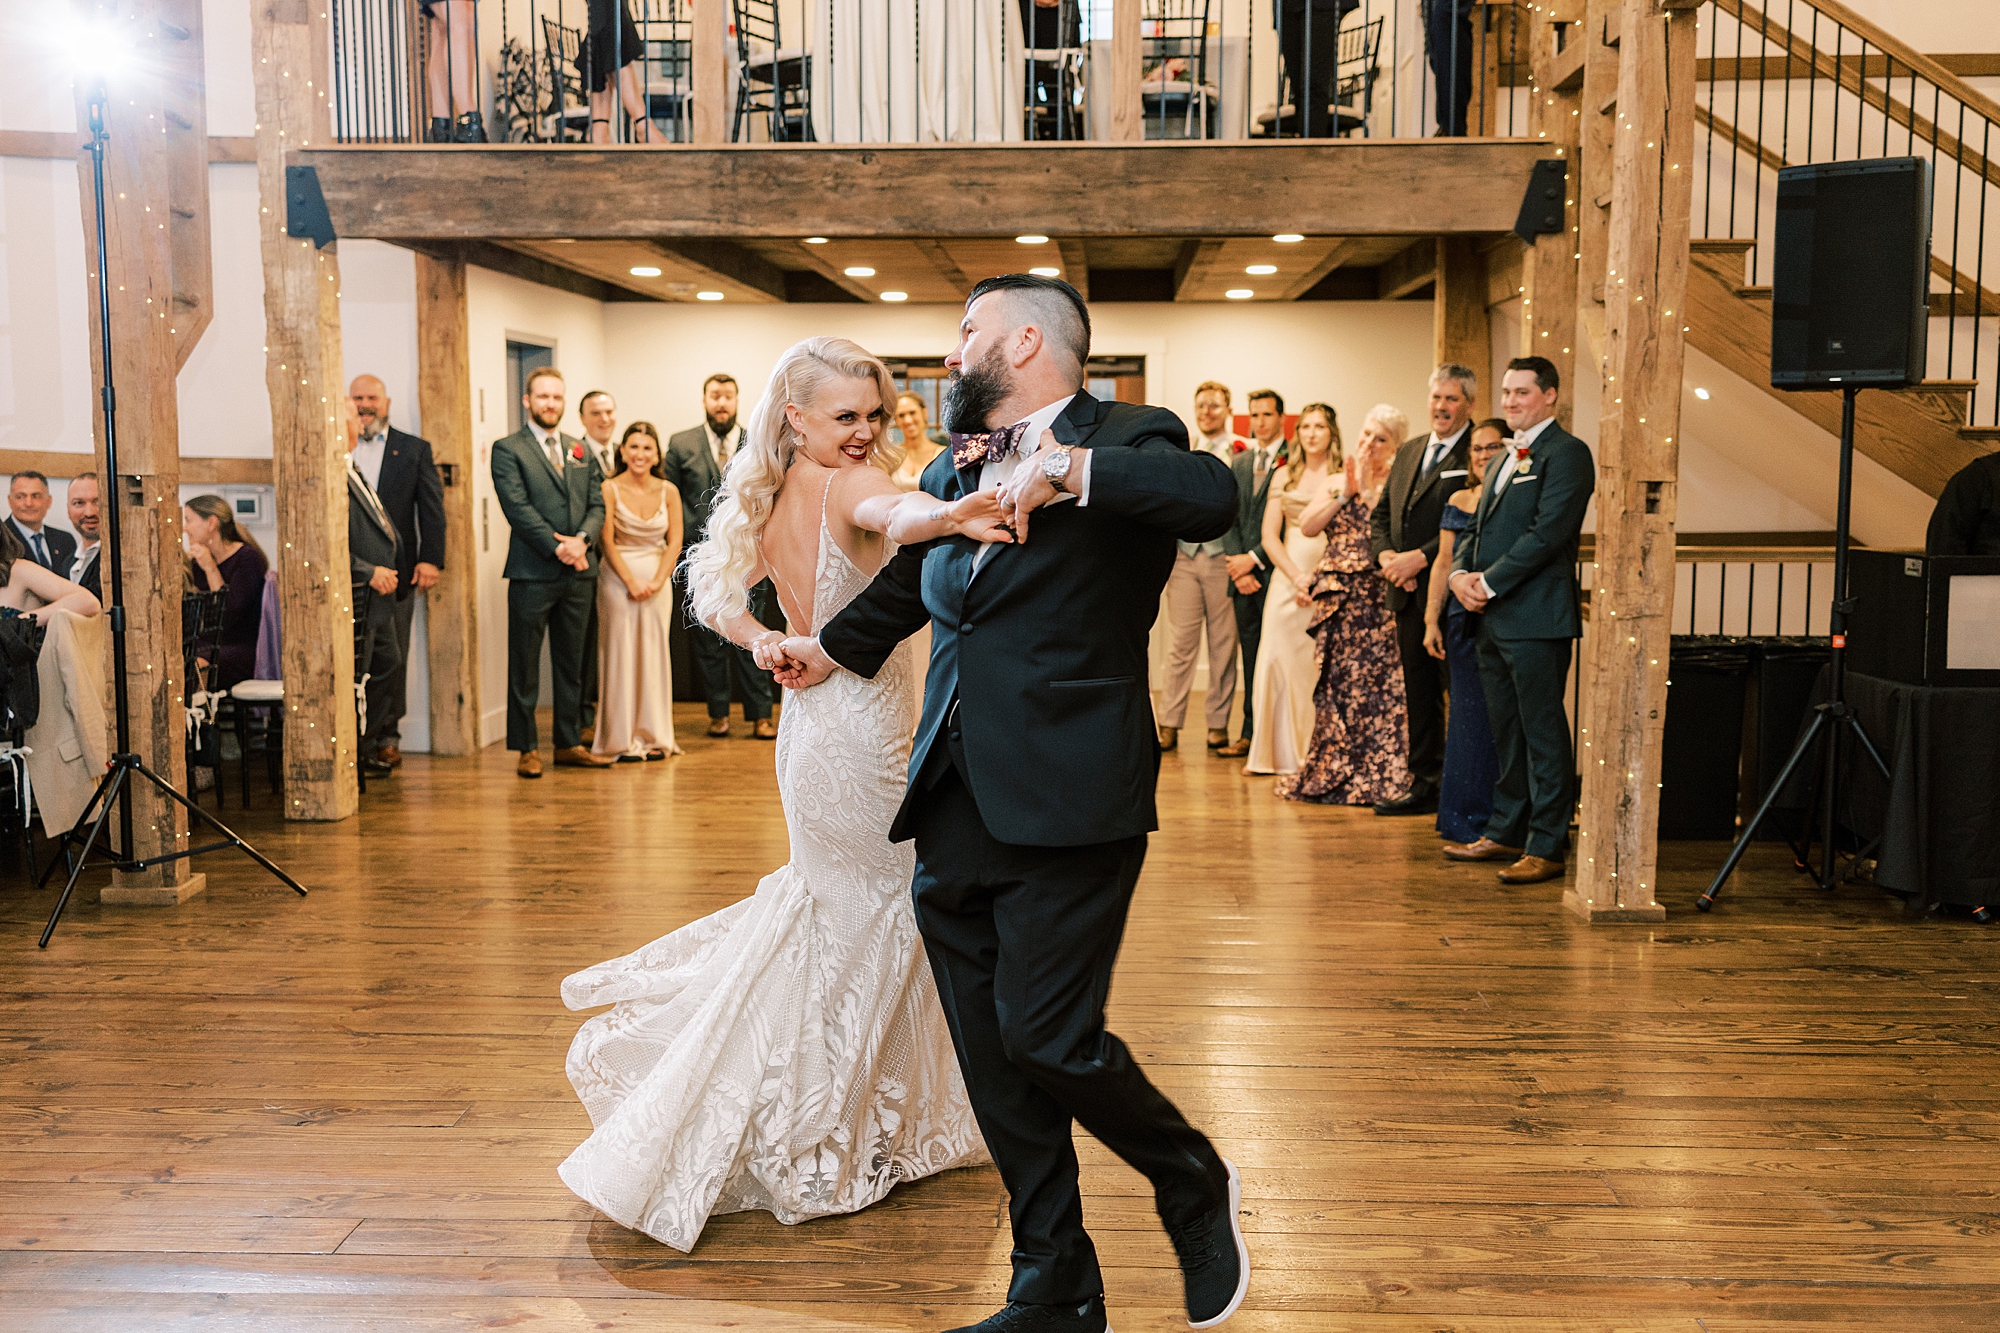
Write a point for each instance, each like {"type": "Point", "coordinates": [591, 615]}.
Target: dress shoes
{"type": "Point", "coordinates": [766, 730]}
{"type": "Point", "coordinates": [1532, 870]}
{"type": "Point", "coordinates": [1215, 1263]}
{"type": "Point", "coordinates": [1170, 738]}
{"type": "Point", "coordinates": [530, 765]}
{"type": "Point", "coordinates": [575, 756]}
{"type": "Point", "coordinates": [1238, 749]}
{"type": "Point", "coordinates": [1420, 799]}
{"type": "Point", "coordinates": [375, 768]}
{"type": "Point", "coordinates": [390, 755]}
{"type": "Point", "coordinates": [1021, 1317]}
{"type": "Point", "coordinates": [718, 727]}
{"type": "Point", "coordinates": [1484, 850]}
{"type": "Point", "coordinates": [1217, 738]}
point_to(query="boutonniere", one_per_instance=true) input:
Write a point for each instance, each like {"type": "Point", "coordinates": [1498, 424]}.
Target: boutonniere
{"type": "Point", "coordinates": [1521, 460]}
{"type": "Point", "coordinates": [1238, 446]}
{"type": "Point", "coordinates": [576, 453]}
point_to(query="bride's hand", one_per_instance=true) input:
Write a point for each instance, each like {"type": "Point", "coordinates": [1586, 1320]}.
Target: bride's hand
{"type": "Point", "coordinates": [806, 663]}
{"type": "Point", "coordinates": [980, 517]}
{"type": "Point", "coordinates": [768, 651]}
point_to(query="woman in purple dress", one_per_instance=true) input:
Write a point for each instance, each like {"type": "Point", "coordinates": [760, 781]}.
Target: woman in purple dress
{"type": "Point", "coordinates": [1359, 753]}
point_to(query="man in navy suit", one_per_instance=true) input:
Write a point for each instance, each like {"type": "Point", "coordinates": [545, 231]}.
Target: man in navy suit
{"type": "Point", "coordinates": [28, 500]}
{"type": "Point", "coordinates": [1243, 545]}
{"type": "Point", "coordinates": [1516, 570]}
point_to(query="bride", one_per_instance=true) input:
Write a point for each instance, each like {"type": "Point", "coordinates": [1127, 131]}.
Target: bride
{"type": "Point", "coordinates": [789, 1053]}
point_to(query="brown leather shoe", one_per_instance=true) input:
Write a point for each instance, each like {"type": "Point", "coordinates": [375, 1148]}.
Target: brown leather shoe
{"type": "Point", "coordinates": [1170, 738]}
{"type": "Point", "coordinates": [530, 765]}
{"type": "Point", "coordinates": [1484, 850]}
{"type": "Point", "coordinates": [389, 756]}
{"type": "Point", "coordinates": [718, 726]}
{"type": "Point", "coordinates": [1217, 738]}
{"type": "Point", "coordinates": [767, 730]}
{"type": "Point", "coordinates": [1532, 870]}
{"type": "Point", "coordinates": [1236, 750]}
{"type": "Point", "coordinates": [578, 757]}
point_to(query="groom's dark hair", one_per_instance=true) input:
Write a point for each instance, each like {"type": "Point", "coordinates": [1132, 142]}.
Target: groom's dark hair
{"type": "Point", "coordinates": [1056, 309]}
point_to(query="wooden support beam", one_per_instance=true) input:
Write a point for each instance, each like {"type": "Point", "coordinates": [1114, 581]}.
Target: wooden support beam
{"type": "Point", "coordinates": [1638, 461]}
{"type": "Point", "coordinates": [194, 471]}
{"type": "Point", "coordinates": [1128, 112]}
{"type": "Point", "coordinates": [737, 268]}
{"type": "Point", "coordinates": [1335, 256]}
{"type": "Point", "coordinates": [288, 40]}
{"type": "Point", "coordinates": [1548, 278]}
{"type": "Point", "coordinates": [1076, 264]}
{"type": "Point", "coordinates": [1590, 179]}
{"type": "Point", "coordinates": [1344, 187]}
{"type": "Point", "coordinates": [946, 266]}
{"type": "Point", "coordinates": [1407, 271]}
{"type": "Point", "coordinates": [1192, 268]}
{"type": "Point", "coordinates": [1461, 330]}
{"type": "Point", "coordinates": [711, 71]}
{"type": "Point", "coordinates": [137, 270]}
{"type": "Point", "coordinates": [185, 121]}
{"type": "Point", "coordinates": [451, 608]}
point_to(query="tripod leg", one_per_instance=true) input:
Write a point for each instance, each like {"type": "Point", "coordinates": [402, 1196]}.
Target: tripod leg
{"type": "Point", "coordinates": [1829, 825]}
{"type": "Point", "coordinates": [1855, 724]}
{"type": "Point", "coordinates": [221, 828]}
{"type": "Point", "coordinates": [104, 788]}
{"type": "Point", "coordinates": [108, 789]}
{"type": "Point", "coordinates": [1707, 900]}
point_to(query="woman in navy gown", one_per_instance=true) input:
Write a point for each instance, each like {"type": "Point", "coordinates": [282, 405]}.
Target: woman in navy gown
{"type": "Point", "coordinates": [1471, 765]}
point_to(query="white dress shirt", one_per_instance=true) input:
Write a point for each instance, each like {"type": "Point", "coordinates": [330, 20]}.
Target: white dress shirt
{"type": "Point", "coordinates": [84, 555]}
{"type": "Point", "coordinates": [715, 442]}
{"type": "Point", "coordinates": [551, 442]}
{"type": "Point", "coordinates": [1435, 451]}
{"type": "Point", "coordinates": [603, 453]}
{"type": "Point", "coordinates": [1525, 439]}
{"type": "Point", "coordinates": [1000, 471]}
{"type": "Point", "coordinates": [368, 451]}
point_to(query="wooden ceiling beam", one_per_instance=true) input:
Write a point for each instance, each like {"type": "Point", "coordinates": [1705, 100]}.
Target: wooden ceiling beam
{"type": "Point", "coordinates": [729, 264]}
{"type": "Point", "coordinates": [1413, 268]}
{"type": "Point", "coordinates": [1076, 264]}
{"type": "Point", "coordinates": [946, 266]}
{"type": "Point", "coordinates": [1335, 256]}
{"type": "Point", "coordinates": [1332, 187]}
{"type": "Point", "coordinates": [1192, 268]}
{"type": "Point", "coordinates": [829, 270]}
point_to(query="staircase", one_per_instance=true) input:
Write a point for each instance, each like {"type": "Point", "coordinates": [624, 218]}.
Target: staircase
{"type": "Point", "coordinates": [1814, 83]}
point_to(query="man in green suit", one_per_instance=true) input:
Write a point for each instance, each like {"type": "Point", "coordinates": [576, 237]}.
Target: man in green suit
{"type": "Point", "coordinates": [551, 491]}
{"type": "Point", "coordinates": [1516, 570]}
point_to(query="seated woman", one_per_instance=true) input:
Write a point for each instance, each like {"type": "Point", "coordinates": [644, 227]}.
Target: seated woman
{"type": "Point", "coordinates": [31, 588]}
{"type": "Point", "coordinates": [1471, 764]}
{"type": "Point", "coordinates": [1360, 747]}
{"type": "Point", "coordinates": [920, 443]}
{"type": "Point", "coordinates": [226, 557]}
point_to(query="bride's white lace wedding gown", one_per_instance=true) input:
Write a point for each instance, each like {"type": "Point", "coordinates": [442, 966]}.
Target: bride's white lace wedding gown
{"type": "Point", "coordinates": [787, 1053]}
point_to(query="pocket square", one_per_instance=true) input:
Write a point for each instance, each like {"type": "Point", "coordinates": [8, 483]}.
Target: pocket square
{"type": "Point", "coordinates": [1522, 479]}
{"type": "Point", "coordinates": [1455, 472]}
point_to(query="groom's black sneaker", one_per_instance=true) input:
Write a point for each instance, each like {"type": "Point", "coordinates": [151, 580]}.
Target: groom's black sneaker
{"type": "Point", "coordinates": [1020, 1317]}
{"type": "Point", "coordinates": [1215, 1263]}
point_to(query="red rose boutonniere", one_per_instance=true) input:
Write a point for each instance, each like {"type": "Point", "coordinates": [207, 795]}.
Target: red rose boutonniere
{"type": "Point", "coordinates": [576, 453]}
{"type": "Point", "coordinates": [1238, 446]}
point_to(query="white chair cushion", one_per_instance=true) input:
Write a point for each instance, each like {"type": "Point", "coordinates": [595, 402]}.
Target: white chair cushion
{"type": "Point", "coordinates": [258, 691]}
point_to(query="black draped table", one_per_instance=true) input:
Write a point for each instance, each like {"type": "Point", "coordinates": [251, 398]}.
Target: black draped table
{"type": "Point", "coordinates": [1938, 815]}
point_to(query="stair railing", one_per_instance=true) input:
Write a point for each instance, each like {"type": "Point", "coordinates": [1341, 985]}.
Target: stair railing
{"type": "Point", "coordinates": [1804, 81]}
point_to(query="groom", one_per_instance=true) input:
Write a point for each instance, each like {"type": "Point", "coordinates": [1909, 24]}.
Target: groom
{"type": "Point", "coordinates": [1031, 782]}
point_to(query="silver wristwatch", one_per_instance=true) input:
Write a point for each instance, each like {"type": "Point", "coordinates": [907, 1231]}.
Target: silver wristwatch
{"type": "Point", "coordinates": [1056, 466]}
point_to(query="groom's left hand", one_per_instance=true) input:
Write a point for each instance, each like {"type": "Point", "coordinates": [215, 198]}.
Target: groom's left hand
{"type": "Point", "coordinates": [1028, 489]}
{"type": "Point", "coordinates": [805, 663]}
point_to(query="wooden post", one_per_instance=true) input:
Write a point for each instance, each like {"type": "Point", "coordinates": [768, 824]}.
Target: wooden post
{"type": "Point", "coordinates": [289, 40]}
{"type": "Point", "coordinates": [155, 168]}
{"type": "Point", "coordinates": [1462, 330]}
{"type": "Point", "coordinates": [1128, 115]}
{"type": "Point", "coordinates": [1591, 178]}
{"type": "Point", "coordinates": [1637, 463]}
{"type": "Point", "coordinates": [1549, 266]}
{"type": "Point", "coordinates": [444, 397]}
{"type": "Point", "coordinates": [711, 72]}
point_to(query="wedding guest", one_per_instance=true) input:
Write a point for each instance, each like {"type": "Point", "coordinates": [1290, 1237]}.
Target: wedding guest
{"type": "Point", "coordinates": [553, 498]}
{"type": "Point", "coordinates": [614, 44]}
{"type": "Point", "coordinates": [642, 544]}
{"type": "Point", "coordinates": [598, 413]}
{"type": "Point", "coordinates": [28, 586]}
{"type": "Point", "coordinates": [28, 502]}
{"type": "Point", "coordinates": [1198, 599]}
{"type": "Point", "coordinates": [1287, 664]}
{"type": "Point", "coordinates": [375, 557]}
{"type": "Point", "coordinates": [696, 460]}
{"type": "Point", "coordinates": [1405, 543]}
{"type": "Point", "coordinates": [1243, 545]}
{"type": "Point", "coordinates": [921, 443]}
{"type": "Point", "coordinates": [1451, 633]}
{"type": "Point", "coordinates": [85, 568]}
{"type": "Point", "coordinates": [1359, 748]}
{"type": "Point", "coordinates": [399, 468]}
{"type": "Point", "coordinates": [1516, 570]}
{"type": "Point", "coordinates": [1966, 520]}
{"type": "Point", "coordinates": [451, 56]}
{"type": "Point", "coordinates": [227, 557]}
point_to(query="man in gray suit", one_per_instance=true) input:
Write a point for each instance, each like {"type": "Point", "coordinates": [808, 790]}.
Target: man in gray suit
{"type": "Point", "coordinates": [694, 463]}
{"type": "Point", "coordinates": [1516, 570]}
{"type": "Point", "coordinates": [551, 491]}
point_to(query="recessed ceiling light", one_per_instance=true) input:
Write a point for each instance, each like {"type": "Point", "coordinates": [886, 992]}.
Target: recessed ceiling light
{"type": "Point", "coordinates": [895, 296]}
{"type": "Point", "coordinates": [708, 296]}
{"type": "Point", "coordinates": [1031, 240]}
{"type": "Point", "coordinates": [1046, 272]}
{"type": "Point", "coordinates": [1701, 394]}
{"type": "Point", "coordinates": [815, 240]}
{"type": "Point", "coordinates": [1239, 293]}
{"type": "Point", "coordinates": [1288, 238]}
{"type": "Point", "coordinates": [859, 271]}
{"type": "Point", "coordinates": [645, 271]}
{"type": "Point", "coordinates": [1261, 270]}
{"type": "Point", "coordinates": [565, 240]}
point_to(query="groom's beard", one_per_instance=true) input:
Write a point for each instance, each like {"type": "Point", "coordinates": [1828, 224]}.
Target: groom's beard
{"type": "Point", "coordinates": [972, 394]}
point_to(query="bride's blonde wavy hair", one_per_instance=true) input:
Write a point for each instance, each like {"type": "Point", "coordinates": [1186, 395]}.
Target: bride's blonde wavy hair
{"type": "Point", "coordinates": [719, 567]}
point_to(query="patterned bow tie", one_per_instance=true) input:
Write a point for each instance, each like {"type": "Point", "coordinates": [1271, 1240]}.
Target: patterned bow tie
{"type": "Point", "coordinates": [988, 446]}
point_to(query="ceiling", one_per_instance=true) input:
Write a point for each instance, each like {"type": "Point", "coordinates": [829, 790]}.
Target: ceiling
{"type": "Point", "coordinates": [942, 270]}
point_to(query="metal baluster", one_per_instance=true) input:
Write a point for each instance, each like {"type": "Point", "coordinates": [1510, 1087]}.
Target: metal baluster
{"type": "Point", "coordinates": [1957, 199]}
{"type": "Point", "coordinates": [1812, 85]}
{"type": "Point", "coordinates": [1979, 274]}
{"type": "Point", "coordinates": [1694, 592]}
{"type": "Point", "coordinates": [1735, 123]}
{"type": "Point", "coordinates": [1779, 615]}
{"type": "Point", "coordinates": [1757, 188]}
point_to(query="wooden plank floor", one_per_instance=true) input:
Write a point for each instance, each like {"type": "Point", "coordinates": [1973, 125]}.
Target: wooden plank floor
{"type": "Point", "coordinates": [1455, 1108]}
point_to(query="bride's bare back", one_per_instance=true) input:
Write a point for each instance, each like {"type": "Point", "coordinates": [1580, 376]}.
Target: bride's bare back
{"type": "Point", "coordinates": [790, 539]}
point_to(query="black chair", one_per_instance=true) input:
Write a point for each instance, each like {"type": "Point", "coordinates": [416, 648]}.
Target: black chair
{"type": "Point", "coordinates": [201, 639]}
{"type": "Point", "coordinates": [1055, 74]}
{"type": "Point", "coordinates": [1357, 67]}
{"type": "Point", "coordinates": [668, 71]}
{"type": "Point", "coordinates": [771, 79]}
{"type": "Point", "coordinates": [568, 121]}
{"type": "Point", "coordinates": [1179, 100]}
{"type": "Point", "coordinates": [266, 700]}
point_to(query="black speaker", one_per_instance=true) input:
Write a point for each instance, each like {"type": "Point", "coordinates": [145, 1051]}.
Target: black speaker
{"type": "Point", "coordinates": [1925, 620]}
{"type": "Point", "coordinates": [1850, 274]}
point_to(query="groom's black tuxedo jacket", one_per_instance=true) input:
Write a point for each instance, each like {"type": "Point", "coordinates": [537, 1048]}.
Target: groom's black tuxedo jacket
{"type": "Point", "coordinates": [1045, 650]}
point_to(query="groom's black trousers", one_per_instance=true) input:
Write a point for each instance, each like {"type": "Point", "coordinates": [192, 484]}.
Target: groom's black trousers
{"type": "Point", "coordinates": [1021, 941]}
